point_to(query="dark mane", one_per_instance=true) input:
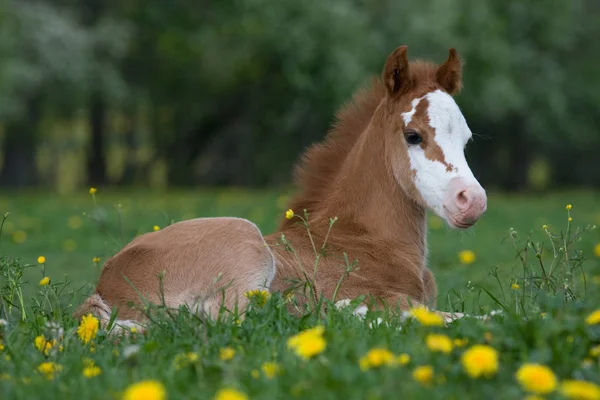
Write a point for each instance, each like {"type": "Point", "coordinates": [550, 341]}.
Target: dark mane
{"type": "Point", "coordinates": [320, 164]}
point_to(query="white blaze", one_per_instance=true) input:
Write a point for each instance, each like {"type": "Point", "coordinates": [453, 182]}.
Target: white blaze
{"type": "Point", "coordinates": [451, 134]}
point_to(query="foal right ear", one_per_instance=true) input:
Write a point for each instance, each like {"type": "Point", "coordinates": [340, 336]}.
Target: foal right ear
{"type": "Point", "coordinates": [395, 72]}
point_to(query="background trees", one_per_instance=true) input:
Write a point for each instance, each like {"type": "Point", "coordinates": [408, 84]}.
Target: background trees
{"type": "Point", "coordinates": [230, 92]}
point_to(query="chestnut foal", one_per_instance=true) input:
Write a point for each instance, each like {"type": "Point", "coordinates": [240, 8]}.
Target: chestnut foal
{"type": "Point", "coordinates": [396, 150]}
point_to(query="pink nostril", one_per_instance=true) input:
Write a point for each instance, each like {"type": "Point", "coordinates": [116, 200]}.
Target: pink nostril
{"type": "Point", "coordinates": [463, 200]}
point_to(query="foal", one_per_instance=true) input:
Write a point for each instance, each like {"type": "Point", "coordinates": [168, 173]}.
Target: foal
{"type": "Point", "coordinates": [396, 150]}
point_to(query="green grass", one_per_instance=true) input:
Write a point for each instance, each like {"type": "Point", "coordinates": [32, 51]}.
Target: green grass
{"type": "Point", "coordinates": [55, 227]}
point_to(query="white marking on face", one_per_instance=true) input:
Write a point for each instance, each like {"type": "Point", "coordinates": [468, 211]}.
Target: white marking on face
{"type": "Point", "coordinates": [451, 134]}
{"type": "Point", "coordinates": [407, 116]}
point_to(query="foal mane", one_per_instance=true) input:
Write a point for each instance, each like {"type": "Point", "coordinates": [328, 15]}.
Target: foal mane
{"type": "Point", "coordinates": [320, 164]}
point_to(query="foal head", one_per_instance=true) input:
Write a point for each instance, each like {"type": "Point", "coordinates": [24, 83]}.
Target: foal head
{"type": "Point", "coordinates": [425, 136]}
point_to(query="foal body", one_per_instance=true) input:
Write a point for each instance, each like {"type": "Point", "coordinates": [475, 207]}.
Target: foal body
{"type": "Point", "coordinates": [396, 150]}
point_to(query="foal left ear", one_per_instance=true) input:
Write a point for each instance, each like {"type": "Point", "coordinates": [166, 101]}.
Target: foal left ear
{"type": "Point", "coordinates": [449, 74]}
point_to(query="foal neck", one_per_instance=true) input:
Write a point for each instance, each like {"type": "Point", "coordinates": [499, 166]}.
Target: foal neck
{"type": "Point", "coordinates": [367, 194]}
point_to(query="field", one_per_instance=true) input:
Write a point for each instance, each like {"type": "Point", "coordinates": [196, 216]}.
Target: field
{"type": "Point", "coordinates": [492, 266]}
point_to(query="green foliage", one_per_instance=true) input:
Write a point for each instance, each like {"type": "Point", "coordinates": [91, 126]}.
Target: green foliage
{"type": "Point", "coordinates": [543, 320]}
{"type": "Point", "coordinates": [231, 92]}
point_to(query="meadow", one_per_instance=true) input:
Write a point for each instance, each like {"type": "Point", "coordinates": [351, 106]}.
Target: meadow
{"type": "Point", "coordinates": [529, 256]}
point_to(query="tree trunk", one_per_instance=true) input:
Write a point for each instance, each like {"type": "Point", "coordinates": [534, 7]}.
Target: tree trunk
{"type": "Point", "coordinates": [19, 169]}
{"type": "Point", "coordinates": [96, 167]}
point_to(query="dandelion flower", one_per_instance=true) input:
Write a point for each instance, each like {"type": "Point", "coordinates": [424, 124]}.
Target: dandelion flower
{"type": "Point", "coordinates": [90, 369]}
{"type": "Point", "coordinates": [597, 250]}
{"type": "Point", "coordinates": [440, 343]}
{"type": "Point", "coordinates": [570, 219]}
{"type": "Point", "coordinates": [515, 286]}
{"type": "Point", "coordinates": [156, 228]}
{"type": "Point", "coordinates": [88, 328]}
{"type": "Point", "coordinates": [426, 317]}
{"type": "Point", "coordinates": [460, 342]}
{"type": "Point", "coordinates": [49, 369]}
{"type": "Point", "coordinates": [145, 390]}
{"type": "Point", "coordinates": [226, 353]}
{"type": "Point", "coordinates": [184, 359]}
{"type": "Point", "coordinates": [270, 369]}
{"type": "Point", "coordinates": [260, 296]}
{"type": "Point", "coordinates": [230, 394]}
{"type": "Point", "coordinates": [403, 359]}
{"type": "Point", "coordinates": [480, 360]}
{"type": "Point", "coordinates": [466, 257]}
{"type": "Point", "coordinates": [595, 351]}
{"type": "Point", "coordinates": [44, 345]}
{"type": "Point", "coordinates": [1, 346]}
{"type": "Point", "coordinates": [308, 343]}
{"type": "Point", "coordinates": [593, 318]}
{"type": "Point", "coordinates": [580, 390]}
{"type": "Point", "coordinates": [423, 374]}
{"type": "Point", "coordinates": [44, 281]}
{"type": "Point", "coordinates": [536, 378]}
{"type": "Point", "coordinates": [289, 214]}
{"type": "Point", "coordinates": [375, 358]}
{"type": "Point", "coordinates": [41, 260]}
{"type": "Point", "coordinates": [93, 190]}
{"type": "Point", "coordinates": [96, 260]}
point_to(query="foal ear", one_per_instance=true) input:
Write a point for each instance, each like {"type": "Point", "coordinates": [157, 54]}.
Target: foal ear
{"type": "Point", "coordinates": [449, 74]}
{"type": "Point", "coordinates": [395, 72]}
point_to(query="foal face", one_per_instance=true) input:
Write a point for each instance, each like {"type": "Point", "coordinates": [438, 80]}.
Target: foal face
{"type": "Point", "coordinates": [428, 137]}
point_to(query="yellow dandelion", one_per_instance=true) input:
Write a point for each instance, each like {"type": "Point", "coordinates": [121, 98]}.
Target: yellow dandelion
{"type": "Point", "coordinates": [49, 369]}
{"type": "Point", "coordinates": [93, 190]}
{"type": "Point", "coordinates": [270, 369]}
{"type": "Point", "coordinates": [43, 345]}
{"type": "Point", "coordinates": [403, 359]}
{"type": "Point", "coordinates": [1, 346]}
{"type": "Point", "coordinates": [375, 358]}
{"type": "Point", "coordinates": [570, 219]}
{"type": "Point", "coordinates": [593, 318]}
{"type": "Point", "coordinates": [145, 390]}
{"type": "Point", "coordinates": [41, 260]}
{"type": "Point", "coordinates": [580, 390]}
{"type": "Point", "coordinates": [185, 359]}
{"type": "Point", "coordinates": [568, 207]}
{"type": "Point", "coordinates": [597, 250]}
{"type": "Point", "coordinates": [230, 394]}
{"type": "Point", "coordinates": [289, 214]}
{"type": "Point", "coordinates": [96, 260]}
{"type": "Point", "coordinates": [308, 343]}
{"type": "Point", "coordinates": [426, 317]}
{"type": "Point", "coordinates": [260, 296]}
{"type": "Point", "coordinates": [133, 329]}
{"type": "Point", "coordinates": [441, 343]}
{"type": "Point", "coordinates": [156, 228]}
{"type": "Point", "coordinates": [595, 351]}
{"type": "Point", "coordinates": [466, 257]}
{"type": "Point", "coordinates": [44, 281]}
{"type": "Point", "coordinates": [480, 360]}
{"type": "Point", "coordinates": [88, 328]}
{"type": "Point", "coordinates": [90, 369]}
{"type": "Point", "coordinates": [423, 374]}
{"type": "Point", "coordinates": [460, 342]}
{"type": "Point", "coordinates": [226, 353]}
{"type": "Point", "coordinates": [536, 378]}
{"type": "Point", "coordinates": [515, 286]}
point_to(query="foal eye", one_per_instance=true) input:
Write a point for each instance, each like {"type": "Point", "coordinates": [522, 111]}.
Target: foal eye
{"type": "Point", "coordinates": [412, 137]}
